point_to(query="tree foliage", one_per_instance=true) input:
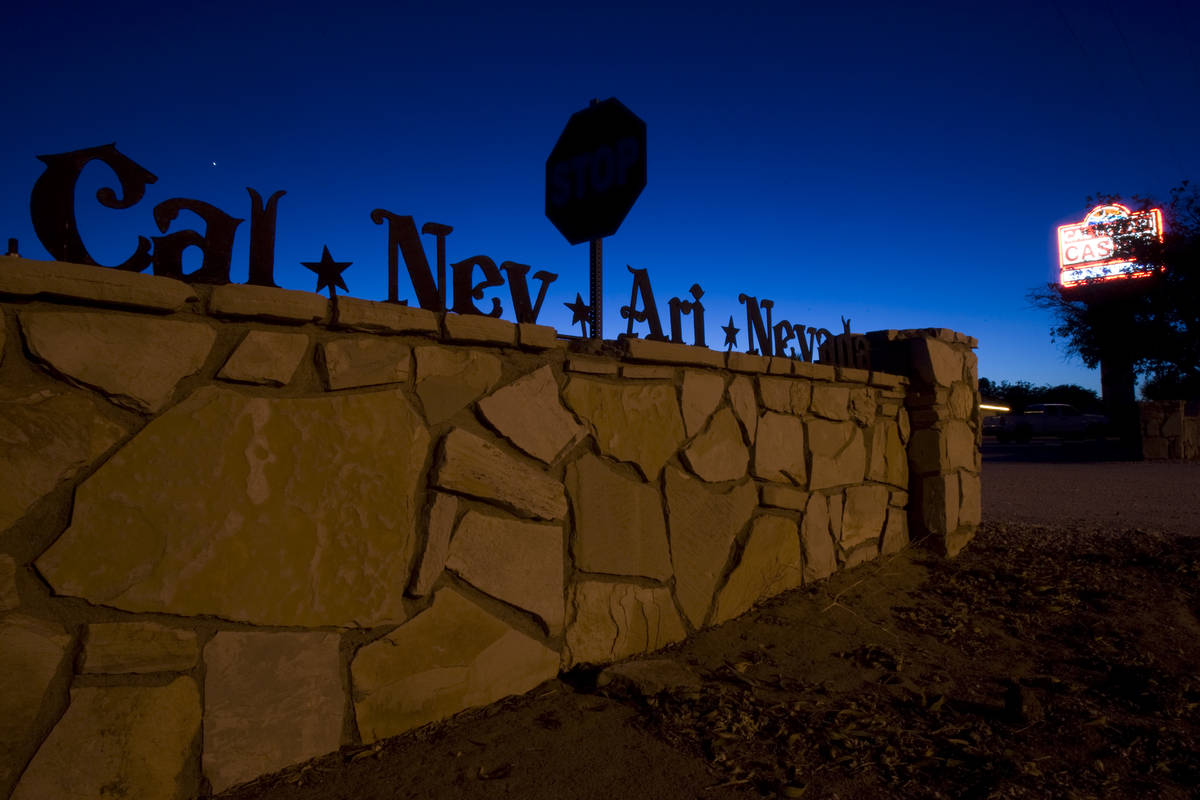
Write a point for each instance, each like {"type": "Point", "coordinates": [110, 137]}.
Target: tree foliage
{"type": "Point", "coordinates": [1019, 394]}
{"type": "Point", "coordinates": [1155, 320]}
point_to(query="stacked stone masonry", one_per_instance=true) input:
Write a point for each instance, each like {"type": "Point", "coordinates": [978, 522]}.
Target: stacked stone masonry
{"type": "Point", "coordinates": [242, 527]}
{"type": "Point", "coordinates": [1171, 430]}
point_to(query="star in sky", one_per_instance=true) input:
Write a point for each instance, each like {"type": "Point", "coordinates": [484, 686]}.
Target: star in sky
{"type": "Point", "coordinates": [730, 334]}
{"type": "Point", "coordinates": [329, 272]}
{"type": "Point", "coordinates": [579, 312]}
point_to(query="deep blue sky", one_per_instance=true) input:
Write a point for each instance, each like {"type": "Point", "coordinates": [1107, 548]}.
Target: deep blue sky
{"type": "Point", "coordinates": [904, 165]}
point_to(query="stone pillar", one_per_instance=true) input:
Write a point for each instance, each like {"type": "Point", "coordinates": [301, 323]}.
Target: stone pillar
{"type": "Point", "coordinates": [942, 403]}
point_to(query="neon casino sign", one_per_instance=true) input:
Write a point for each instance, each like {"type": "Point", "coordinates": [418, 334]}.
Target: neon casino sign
{"type": "Point", "coordinates": [1098, 249]}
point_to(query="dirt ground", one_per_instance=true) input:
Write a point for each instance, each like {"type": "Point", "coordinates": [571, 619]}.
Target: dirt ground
{"type": "Point", "coordinates": [1054, 658]}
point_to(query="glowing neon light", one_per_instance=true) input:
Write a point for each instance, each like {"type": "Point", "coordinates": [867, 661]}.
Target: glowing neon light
{"type": "Point", "coordinates": [1086, 249]}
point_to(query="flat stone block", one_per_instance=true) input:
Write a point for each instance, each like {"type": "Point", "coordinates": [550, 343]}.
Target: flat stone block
{"type": "Point", "coordinates": [270, 700]}
{"type": "Point", "coordinates": [8, 583]}
{"type": "Point", "coordinates": [718, 453]}
{"type": "Point", "coordinates": [818, 372]}
{"type": "Point", "coordinates": [619, 524]}
{"type": "Point", "coordinates": [216, 518]}
{"type": "Point", "coordinates": [777, 495]}
{"type": "Point", "coordinates": [448, 658]}
{"type": "Point", "coordinates": [637, 422]}
{"type": "Point", "coordinates": [779, 365]}
{"type": "Point", "coordinates": [885, 380]}
{"type": "Point", "coordinates": [374, 316]}
{"type": "Point", "coordinates": [611, 621]}
{"type": "Point", "coordinates": [25, 277]}
{"type": "Point", "coordinates": [816, 540]}
{"type": "Point", "coordinates": [529, 413]}
{"type": "Point", "coordinates": [477, 328]}
{"type": "Point", "coordinates": [474, 467]}
{"type": "Point", "coordinates": [442, 519]}
{"type": "Point", "coordinates": [31, 654]}
{"type": "Point", "coordinates": [779, 452]}
{"type": "Point", "coordinates": [268, 303]}
{"type": "Point", "coordinates": [358, 361]}
{"type": "Point", "coordinates": [853, 375]}
{"type": "Point", "coordinates": [48, 437]}
{"type": "Point", "coordinates": [672, 353]}
{"type": "Point", "coordinates": [118, 742]}
{"type": "Point", "coordinates": [591, 365]}
{"type": "Point", "coordinates": [513, 560]}
{"type": "Point", "coordinates": [451, 378]}
{"type": "Point", "coordinates": [647, 372]}
{"type": "Point", "coordinates": [745, 362]}
{"type": "Point", "coordinates": [138, 647]}
{"type": "Point", "coordinates": [136, 360]}
{"type": "Point", "coordinates": [701, 394]}
{"type": "Point", "coordinates": [265, 357]}
{"type": "Point", "coordinates": [536, 337]}
{"type": "Point", "coordinates": [745, 405]}
{"type": "Point", "coordinates": [770, 564]}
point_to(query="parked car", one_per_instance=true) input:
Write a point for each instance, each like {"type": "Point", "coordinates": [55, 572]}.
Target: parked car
{"type": "Point", "coordinates": [1045, 419]}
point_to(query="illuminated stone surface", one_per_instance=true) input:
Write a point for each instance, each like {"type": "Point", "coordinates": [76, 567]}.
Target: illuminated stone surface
{"type": "Point", "coordinates": [138, 647]}
{"type": "Point", "coordinates": [265, 357]}
{"type": "Point", "coordinates": [961, 447]}
{"type": "Point", "coordinates": [784, 395]}
{"type": "Point", "coordinates": [741, 397]}
{"type": "Point", "coordinates": [8, 583]}
{"type": "Point", "coordinates": [135, 360]}
{"type": "Point", "coordinates": [962, 401]}
{"type": "Point", "coordinates": [895, 532]}
{"type": "Point", "coordinates": [868, 551]}
{"type": "Point", "coordinates": [863, 515]}
{"type": "Point", "coordinates": [118, 741]}
{"type": "Point", "coordinates": [640, 423]}
{"type": "Point", "coordinates": [475, 467]}
{"type": "Point", "coordinates": [47, 437]}
{"type": "Point", "coordinates": [268, 302]}
{"type": "Point", "coordinates": [365, 361]}
{"type": "Point", "coordinates": [889, 461]}
{"type": "Point", "coordinates": [450, 379]}
{"type": "Point", "coordinates": [817, 545]}
{"type": "Point", "coordinates": [529, 414]}
{"type": "Point", "coordinates": [369, 315]}
{"type": "Point", "coordinates": [31, 652]}
{"type": "Point", "coordinates": [770, 564]}
{"type": "Point", "coordinates": [839, 455]}
{"type": "Point", "coordinates": [718, 454]}
{"type": "Point", "coordinates": [611, 621]}
{"type": "Point", "coordinates": [862, 406]}
{"type": "Point", "coordinates": [518, 562]}
{"type": "Point", "coordinates": [703, 523]}
{"type": "Point", "coordinates": [831, 402]}
{"type": "Point", "coordinates": [437, 544]}
{"type": "Point", "coordinates": [939, 503]}
{"type": "Point", "coordinates": [936, 362]}
{"type": "Point", "coordinates": [28, 278]}
{"type": "Point", "coordinates": [536, 337]}
{"type": "Point", "coordinates": [970, 510]}
{"type": "Point", "coordinates": [448, 658]}
{"type": "Point", "coordinates": [270, 700]}
{"type": "Point", "coordinates": [701, 393]}
{"type": "Point", "coordinates": [779, 452]}
{"type": "Point", "coordinates": [619, 523]}
{"type": "Point", "coordinates": [268, 511]}
{"type": "Point", "coordinates": [779, 496]}
{"type": "Point", "coordinates": [477, 328]}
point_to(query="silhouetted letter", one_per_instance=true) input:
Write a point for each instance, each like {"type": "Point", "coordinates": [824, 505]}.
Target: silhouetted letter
{"type": "Point", "coordinates": [52, 202]}
{"type": "Point", "coordinates": [649, 311]}
{"type": "Point", "coordinates": [216, 242]}
{"type": "Point", "coordinates": [440, 232]}
{"type": "Point", "coordinates": [464, 291]}
{"type": "Point", "coordinates": [262, 238]}
{"type": "Point", "coordinates": [754, 323]}
{"type": "Point", "coordinates": [695, 308]}
{"type": "Point", "coordinates": [518, 289]}
{"type": "Point", "coordinates": [403, 239]}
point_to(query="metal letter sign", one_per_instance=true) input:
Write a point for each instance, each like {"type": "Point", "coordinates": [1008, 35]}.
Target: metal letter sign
{"type": "Point", "coordinates": [594, 175]}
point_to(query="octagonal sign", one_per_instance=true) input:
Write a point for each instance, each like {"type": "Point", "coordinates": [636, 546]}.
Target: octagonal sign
{"type": "Point", "coordinates": [596, 171]}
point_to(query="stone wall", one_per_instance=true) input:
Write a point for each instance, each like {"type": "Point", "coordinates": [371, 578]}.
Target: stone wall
{"type": "Point", "coordinates": [1170, 430]}
{"type": "Point", "coordinates": [241, 527]}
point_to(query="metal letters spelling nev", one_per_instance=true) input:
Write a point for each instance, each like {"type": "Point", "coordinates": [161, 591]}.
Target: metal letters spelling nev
{"type": "Point", "coordinates": [52, 206]}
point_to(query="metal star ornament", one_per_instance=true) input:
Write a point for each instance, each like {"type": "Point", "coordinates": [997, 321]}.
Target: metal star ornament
{"type": "Point", "coordinates": [580, 311]}
{"type": "Point", "coordinates": [329, 272]}
{"type": "Point", "coordinates": [730, 334]}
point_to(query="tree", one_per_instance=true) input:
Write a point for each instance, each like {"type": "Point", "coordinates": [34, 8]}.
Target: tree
{"type": "Point", "coordinates": [1019, 394]}
{"type": "Point", "coordinates": [1147, 326]}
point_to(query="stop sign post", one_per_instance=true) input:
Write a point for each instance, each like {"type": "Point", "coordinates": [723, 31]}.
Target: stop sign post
{"type": "Point", "coordinates": [594, 175]}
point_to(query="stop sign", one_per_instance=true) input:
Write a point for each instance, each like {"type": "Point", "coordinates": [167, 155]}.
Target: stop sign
{"type": "Point", "coordinates": [596, 171]}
